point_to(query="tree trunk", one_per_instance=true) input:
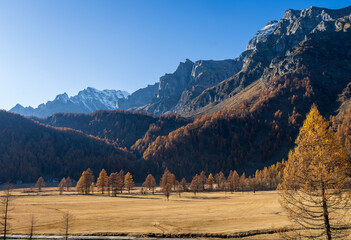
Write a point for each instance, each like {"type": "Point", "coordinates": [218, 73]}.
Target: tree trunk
{"type": "Point", "coordinates": [326, 215]}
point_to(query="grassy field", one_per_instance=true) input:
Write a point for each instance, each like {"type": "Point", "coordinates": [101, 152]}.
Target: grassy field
{"type": "Point", "coordinates": [141, 214]}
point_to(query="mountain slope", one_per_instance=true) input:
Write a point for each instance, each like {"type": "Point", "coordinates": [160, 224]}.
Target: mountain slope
{"type": "Point", "coordinates": [29, 150]}
{"type": "Point", "coordinates": [265, 52]}
{"type": "Point", "coordinates": [86, 101]}
{"type": "Point", "coordinates": [121, 128]}
{"type": "Point", "coordinates": [251, 120]}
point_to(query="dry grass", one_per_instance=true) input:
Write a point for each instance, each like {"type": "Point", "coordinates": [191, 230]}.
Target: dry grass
{"type": "Point", "coordinates": [138, 214]}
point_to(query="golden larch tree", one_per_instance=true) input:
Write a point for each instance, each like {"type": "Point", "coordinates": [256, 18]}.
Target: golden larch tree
{"type": "Point", "coordinates": [210, 181]}
{"type": "Point", "coordinates": [68, 183]}
{"type": "Point", "coordinates": [62, 185]}
{"type": "Point", "coordinates": [314, 190]}
{"type": "Point", "coordinates": [167, 182]}
{"type": "Point", "coordinates": [102, 181]}
{"type": "Point", "coordinates": [40, 183]}
{"type": "Point", "coordinates": [150, 183]}
{"type": "Point", "coordinates": [196, 184]}
{"type": "Point", "coordinates": [128, 181]}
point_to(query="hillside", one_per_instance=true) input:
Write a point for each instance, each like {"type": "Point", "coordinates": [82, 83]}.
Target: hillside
{"type": "Point", "coordinates": [121, 128]}
{"type": "Point", "coordinates": [29, 150]}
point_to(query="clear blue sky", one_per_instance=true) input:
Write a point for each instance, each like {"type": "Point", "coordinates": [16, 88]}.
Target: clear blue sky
{"type": "Point", "coordinates": [49, 47]}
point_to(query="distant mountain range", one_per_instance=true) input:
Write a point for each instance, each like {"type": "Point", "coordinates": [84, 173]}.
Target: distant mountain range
{"type": "Point", "coordinates": [87, 100]}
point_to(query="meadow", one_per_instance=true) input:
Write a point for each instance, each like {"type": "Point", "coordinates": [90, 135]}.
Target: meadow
{"type": "Point", "coordinates": [136, 214]}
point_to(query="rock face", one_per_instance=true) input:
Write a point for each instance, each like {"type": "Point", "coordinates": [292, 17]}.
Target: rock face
{"type": "Point", "coordinates": [270, 46]}
{"type": "Point", "coordinates": [87, 100]}
{"type": "Point", "coordinates": [138, 98]}
{"type": "Point", "coordinates": [176, 90]}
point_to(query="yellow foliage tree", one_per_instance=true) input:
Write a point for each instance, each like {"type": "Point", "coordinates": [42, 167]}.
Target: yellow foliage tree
{"type": "Point", "coordinates": [102, 181]}
{"type": "Point", "coordinates": [313, 190]}
{"type": "Point", "coordinates": [128, 182]}
{"type": "Point", "coordinates": [210, 181]}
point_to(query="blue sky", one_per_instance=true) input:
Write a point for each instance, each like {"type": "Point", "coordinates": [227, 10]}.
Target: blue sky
{"type": "Point", "coordinates": [56, 46]}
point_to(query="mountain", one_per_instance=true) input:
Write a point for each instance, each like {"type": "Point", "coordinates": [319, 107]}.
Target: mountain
{"type": "Point", "coordinates": [243, 114]}
{"type": "Point", "coordinates": [251, 119]}
{"type": "Point", "coordinates": [138, 98]}
{"type": "Point", "coordinates": [120, 128]}
{"type": "Point", "coordinates": [267, 54]}
{"type": "Point", "coordinates": [29, 150]}
{"type": "Point", "coordinates": [176, 89]}
{"type": "Point", "coordinates": [194, 89]}
{"type": "Point", "coordinates": [87, 100]}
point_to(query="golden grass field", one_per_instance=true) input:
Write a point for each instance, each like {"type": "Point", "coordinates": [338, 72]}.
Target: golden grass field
{"type": "Point", "coordinates": [137, 214]}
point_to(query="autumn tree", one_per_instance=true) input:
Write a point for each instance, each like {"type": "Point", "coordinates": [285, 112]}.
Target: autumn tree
{"type": "Point", "coordinates": [68, 183]}
{"type": "Point", "coordinates": [196, 184]}
{"type": "Point", "coordinates": [210, 181]}
{"type": "Point", "coordinates": [62, 186]}
{"type": "Point", "coordinates": [85, 181]}
{"type": "Point", "coordinates": [128, 182]}
{"type": "Point", "coordinates": [150, 183]}
{"type": "Point", "coordinates": [167, 182]}
{"type": "Point", "coordinates": [184, 185]}
{"type": "Point", "coordinates": [92, 187]}
{"type": "Point", "coordinates": [314, 181]}
{"type": "Point", "coordinates": [112, 181]}
{"type": "Point", "coordinates": [220, 180]}
{"type": "Point", "coordinates": [203, 180]}
{"type": "Point", "coordinates": [102, 181]}
{"type": "Point", "coordinates": [80, 185]}
{"type": "Point", "coordinates": [242, 182]}
{"type": "Point", "coordinates": [40, 183]}
{"type": "Point", "coordinates": [120, 181]}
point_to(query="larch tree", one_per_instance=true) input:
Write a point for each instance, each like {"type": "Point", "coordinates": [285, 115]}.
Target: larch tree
{"type": "Point", "coordinates": [120, 181]}
{"type": "Point", "coordinates": [102, 181]}
{"type": "Point", "coordinates": [112, 180]}
{"type": "Point", "coordinates": [166, 183]}
{"type": "Point", "coordinates": [196, 184]}
{"type": "Point", "coordinates": [40, 183]}
{"type": "Point", "coordinates": [80, 185]}
{"type": "Point", "coordinates": [68, 183]}
{"type": "Point", "coordinates": [203, 180]}
{"type": "Point", "coordinates": [128, 182]}
{"type": "Point", "coordinates": [62, 185]}
{"type": "Point", "coordinates": [184, 185]}
{"type": "Point", "coordinates": [92, 187]}
{"type": "Point", "coordinates": [150, 183]}
{"type": "Point", "coordinates": [89, 179]}
{"type": "Point", "coordinates": [313, 191]}
{"type": "Point", "coordinates": [210, 181]}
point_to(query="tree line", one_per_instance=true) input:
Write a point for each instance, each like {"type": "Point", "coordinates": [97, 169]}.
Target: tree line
{"type": "Point", "coordinates": [115, 183]}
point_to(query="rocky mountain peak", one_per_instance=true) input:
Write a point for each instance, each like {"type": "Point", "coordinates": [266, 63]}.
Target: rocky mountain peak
{"type": "Point", "coordinates": [62, 98]}
{"type": "Point", "coordinates": [87, 100]}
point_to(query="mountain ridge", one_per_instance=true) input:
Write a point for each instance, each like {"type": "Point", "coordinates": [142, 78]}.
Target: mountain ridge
{"type": "Point", "coordinates": [87, 100]}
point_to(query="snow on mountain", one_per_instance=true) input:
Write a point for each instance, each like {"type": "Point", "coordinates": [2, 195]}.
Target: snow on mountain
{"type": "Point", "coordinates": [87, 100]}
{"type": "Point", "coordinates": [262, 34]}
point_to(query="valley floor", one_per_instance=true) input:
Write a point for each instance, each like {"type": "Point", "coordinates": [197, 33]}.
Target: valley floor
{"type": "Point", "coordinates": [136, 214]}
